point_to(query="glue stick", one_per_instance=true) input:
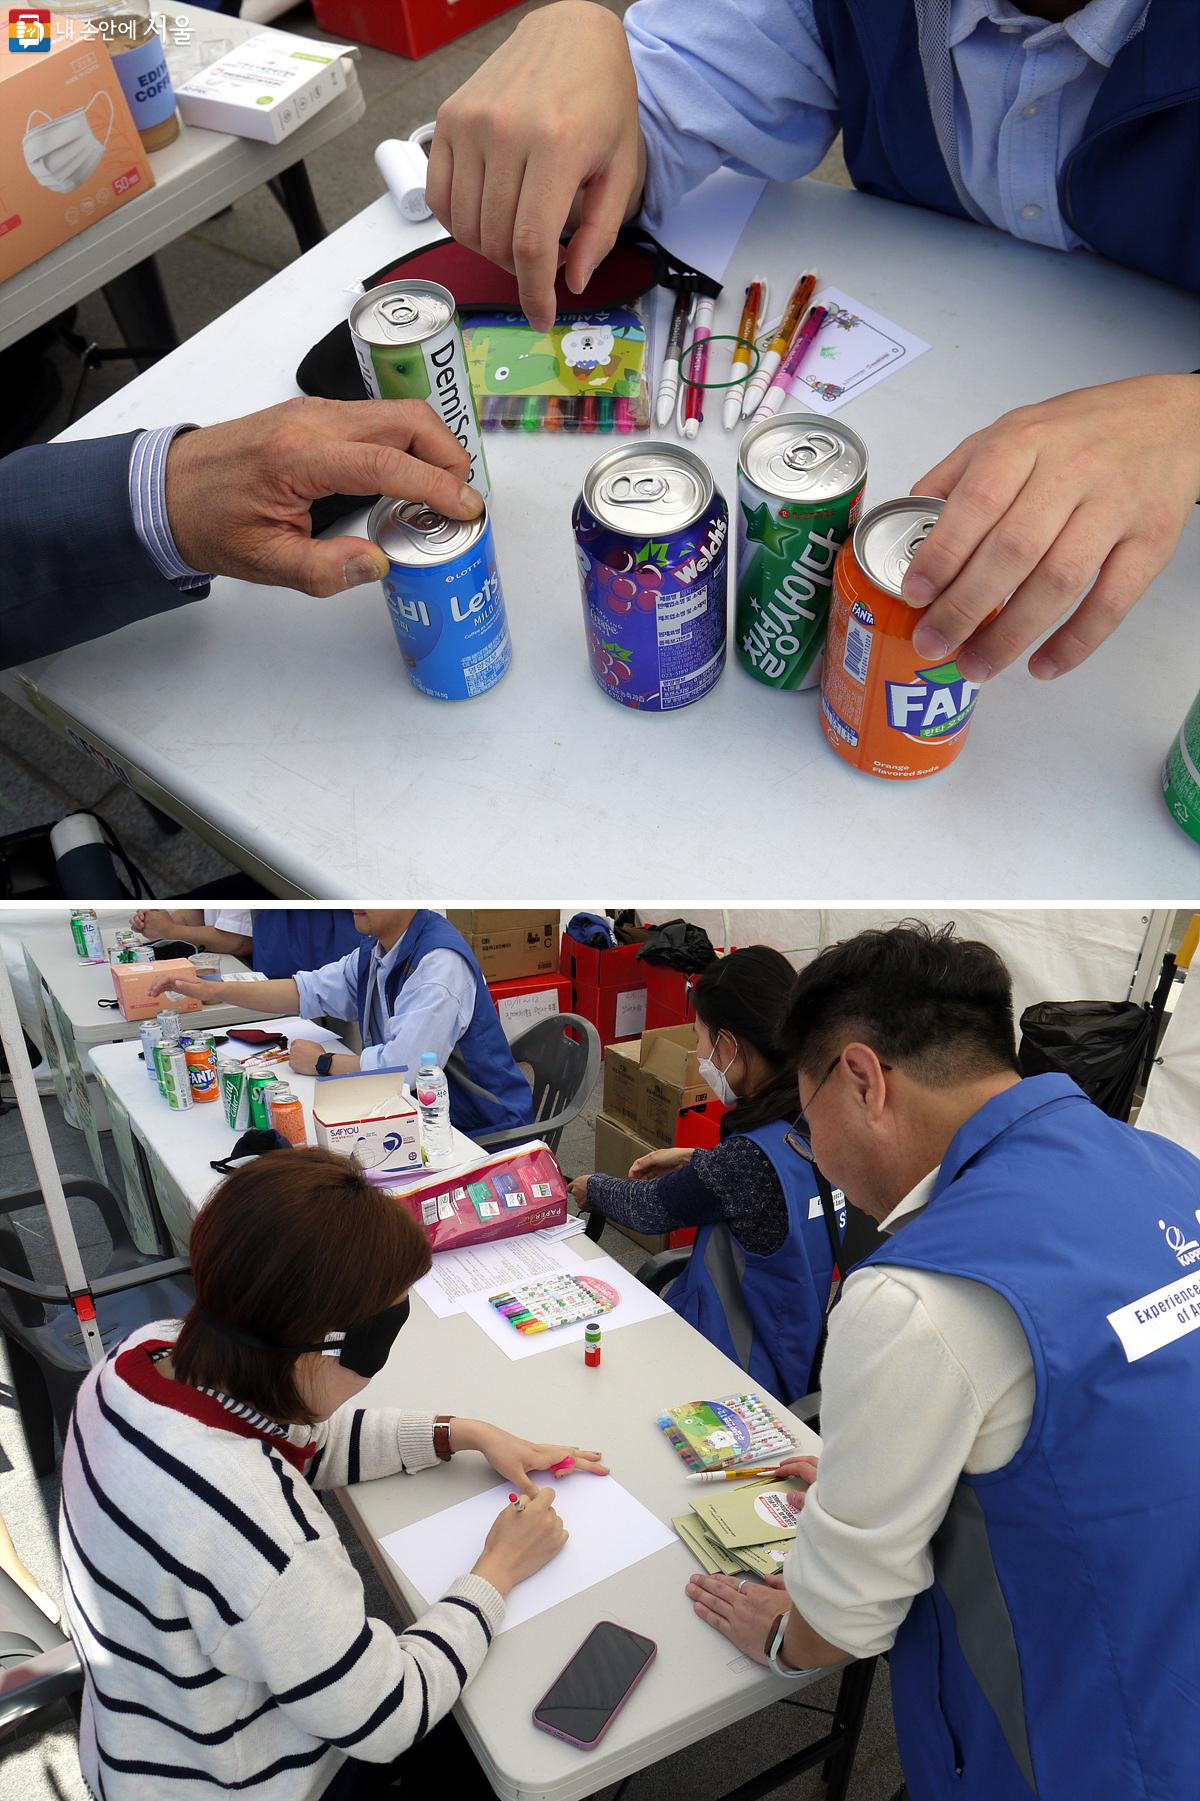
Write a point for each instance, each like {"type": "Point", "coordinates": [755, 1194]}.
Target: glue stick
{"type": "Point", "coordinates": [591, 1346]}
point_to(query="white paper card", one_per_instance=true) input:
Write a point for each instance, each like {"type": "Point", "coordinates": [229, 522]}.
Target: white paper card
{"type": "Point", "coordinates": [518, 1011]}
{"type": "Point", "coordinates": [457, 1277]}
{"type": "Point", "coordinates": [610, 1530]}
{"type": "Point", "coordinates": [637, 1303]}
{"type": "Point", "coordinates": [854, 349]}
{"type": "Point", "coordinates": [630, 1019]}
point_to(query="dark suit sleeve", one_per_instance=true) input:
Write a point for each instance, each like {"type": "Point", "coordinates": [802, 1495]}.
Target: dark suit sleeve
{"type": "Point", "coordinates": [72, 567]}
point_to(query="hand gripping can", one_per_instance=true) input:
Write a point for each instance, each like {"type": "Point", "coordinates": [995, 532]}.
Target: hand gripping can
{"type": "Point", "coordinates": [800, 492]}
{"type": "Point", "coordinates": [650, 540]}
{"type": "Point", "coordinates": [444, 596]}
{"type": "Point", "coordinates": [882, 709]}
{"type": "Point", "coordinates": [1181, 774]}
{"type": "Point", "coordinates": [409, 347]}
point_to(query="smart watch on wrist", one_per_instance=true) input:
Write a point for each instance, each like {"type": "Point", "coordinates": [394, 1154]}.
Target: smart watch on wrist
{"type": "Point", "coordinates": [324, 1063]}
{"type": "Point", "coordinates": [774, 1646]}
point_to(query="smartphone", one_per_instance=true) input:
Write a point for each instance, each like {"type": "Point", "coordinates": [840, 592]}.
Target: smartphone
{"type": "Point", "coordinates": [255, 1035]}
{"type": "Point", "coordinates": [581, 1704]}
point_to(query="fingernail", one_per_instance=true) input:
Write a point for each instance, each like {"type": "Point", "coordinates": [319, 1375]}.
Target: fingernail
{"type": "Point", "coordinates": [928, 643]}
{"type": "Point", "coordinates": [585, 278]}
{"type": "Point", "coordinates": [1044, 668]}
{"type": "Point", "coordinates": [361, 569]}
{"type": "Point", "coordinates": [470, 498]}
{"type": "Point", "coordinates": [974, 667]}
{"type": "Point", "coordinates": [917, 590]}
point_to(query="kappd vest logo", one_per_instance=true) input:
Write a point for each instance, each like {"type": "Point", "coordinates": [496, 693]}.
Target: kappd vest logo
{"type": "Point", "coordinates": [1186, 1250]}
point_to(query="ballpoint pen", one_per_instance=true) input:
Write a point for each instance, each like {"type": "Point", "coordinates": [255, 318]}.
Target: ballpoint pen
{"type": "Point", "coordinates": [782, 386]}
{"type": "Point", "coordinates": [752, 316]}
{"type": "Point", "coordinates": [698, 365]}
{"type": "Point", "coordinates": [758, 384]}
{"type": "Point", "coordinates": [668, 385]}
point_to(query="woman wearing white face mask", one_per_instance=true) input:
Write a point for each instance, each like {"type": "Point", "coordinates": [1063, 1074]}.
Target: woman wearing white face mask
{"type": "Point", "coordinates": [758, 1280]}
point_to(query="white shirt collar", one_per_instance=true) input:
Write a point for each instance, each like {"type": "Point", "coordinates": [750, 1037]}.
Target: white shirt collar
{"type": "Point", "coordinates": [914, 1201]}
{"type": "Point", "coordinates": [1100, 29]}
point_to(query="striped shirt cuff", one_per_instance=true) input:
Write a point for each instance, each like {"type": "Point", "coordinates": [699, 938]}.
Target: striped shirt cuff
{"type": "Point", "coordinates": [148, 504]}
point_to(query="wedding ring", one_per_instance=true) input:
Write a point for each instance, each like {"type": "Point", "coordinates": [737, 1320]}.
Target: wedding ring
{"type": "Point", "coordinates": [742, 1585]}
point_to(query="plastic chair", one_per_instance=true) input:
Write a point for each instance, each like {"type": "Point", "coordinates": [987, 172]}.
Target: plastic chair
{"type": "Point", "coordinates": [562, 1058]}
{"type": "Point", "coordinates": [45, 1346]}
{"type": "Point", "coordinates": [38, 1663]}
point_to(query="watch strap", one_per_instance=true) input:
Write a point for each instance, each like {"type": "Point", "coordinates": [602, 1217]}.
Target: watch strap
{"type": "Point", "coordinates": [326, 1059]}
{"type": "Point", "coordinates": [441, 1437]}
{"type": "Point", "coordinates": [774, 1646]}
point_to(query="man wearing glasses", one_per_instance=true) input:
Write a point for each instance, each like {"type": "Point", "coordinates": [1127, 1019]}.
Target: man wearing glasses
{"type": "Point", "coordinates": [1009, 1477]}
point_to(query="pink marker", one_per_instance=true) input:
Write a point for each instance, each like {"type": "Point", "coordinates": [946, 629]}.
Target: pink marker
{"type": "Point", "coordinates": [785, 376]}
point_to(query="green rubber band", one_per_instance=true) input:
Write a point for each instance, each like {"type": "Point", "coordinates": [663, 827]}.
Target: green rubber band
{"type": "Point", "coordinates": [726, 337]}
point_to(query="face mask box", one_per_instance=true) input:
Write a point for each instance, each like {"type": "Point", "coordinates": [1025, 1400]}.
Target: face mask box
{"type": "Point", "coordinates": [650, 1082]}
{"type": "Point", "coordinates": [69, 151]}
{"type": "Point", "coordinates": [132, 984]}
{"type": "Point", "coordinates": [372, 1118]}
{"type": "Point", "coordinates": [266, 87]}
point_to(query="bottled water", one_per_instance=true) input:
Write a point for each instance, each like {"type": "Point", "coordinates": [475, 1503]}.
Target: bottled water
{"type": "Point", "coordinates": [433, 1098]}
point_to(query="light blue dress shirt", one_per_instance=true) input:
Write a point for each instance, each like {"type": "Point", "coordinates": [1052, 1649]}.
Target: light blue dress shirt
{"type": "Point", "coordinates": [746, 84]}
{"type": "Point", "coordinates": [148, 504]}
{"type": "Point", "coordinates": [433, 1009]}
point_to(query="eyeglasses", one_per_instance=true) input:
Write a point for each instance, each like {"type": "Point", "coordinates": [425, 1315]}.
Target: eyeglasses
{"type": "Point", "coordinates": [798, 1135]}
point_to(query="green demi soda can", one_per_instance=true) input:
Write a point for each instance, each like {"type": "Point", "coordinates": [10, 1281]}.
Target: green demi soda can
{"type": "Point", "coordinates": [259, 1083]}
{"type": "Point", "coordinates": [1181, 774]}
{"type": "Point", "coordinates": [176, 1084]}
{"type": "Point", "coordinates": [800, 492]}
{"type": "Point", "coordinates": [409, 346]}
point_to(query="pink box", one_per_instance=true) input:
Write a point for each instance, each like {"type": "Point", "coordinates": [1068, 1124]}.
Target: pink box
{"type": "Point", "coordinates": [515, 1191]}
{"type": "Point", "coordinates": [132, 983]}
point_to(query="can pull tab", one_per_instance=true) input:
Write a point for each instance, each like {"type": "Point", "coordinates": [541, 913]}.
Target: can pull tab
{"type": "Point", "coordinates": [635, 490]}
{"type": "Point", "coordinates": [911, 541]}
{"type": "Point", "coordinates": [812, 451]}
{"type": "Point", "coordinates": [398, 309]}
{"type": "Point", "coordinates": [423, 522]}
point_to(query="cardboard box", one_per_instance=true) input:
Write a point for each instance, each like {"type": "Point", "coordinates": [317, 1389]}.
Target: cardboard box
{"type": "Point", "coordinates": [524, 1001]}
{"type": "Point", "coordinates": [70, 153]}
{"type": "Point", "coordinates": [372, 1118]}
{"type": "Point", "coordinates": [508, 943]}
{"type": "Point", "coordinates": [266, 86]}
{"type": "Point", "coordinates": [407, 27]}
{"type": "Point", "coordinates": [650, 1083]}
{"type": "Point", "coordinates": [131, 984]}
{"type": "Point", "coordinates": [617, 1147]}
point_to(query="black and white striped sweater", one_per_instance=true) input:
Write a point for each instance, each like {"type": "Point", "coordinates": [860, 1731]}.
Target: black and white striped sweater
{"type": "Point", "coordinates": [222, 1626]}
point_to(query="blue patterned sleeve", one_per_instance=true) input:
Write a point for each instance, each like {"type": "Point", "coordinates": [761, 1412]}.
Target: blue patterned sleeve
{"type": "Point", "coordinates": [734, 1182]}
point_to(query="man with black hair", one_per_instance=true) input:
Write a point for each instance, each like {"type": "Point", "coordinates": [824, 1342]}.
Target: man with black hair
{"type": "Point", "coordinates": [1009, 1480]}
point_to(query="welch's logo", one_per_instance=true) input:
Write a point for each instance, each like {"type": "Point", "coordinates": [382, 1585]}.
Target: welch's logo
{"type": "Point", "coordinates": [937, 703]}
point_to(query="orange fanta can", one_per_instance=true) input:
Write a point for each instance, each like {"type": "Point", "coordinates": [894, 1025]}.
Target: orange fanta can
{"type": "Point", "coordinates": [882, 709]}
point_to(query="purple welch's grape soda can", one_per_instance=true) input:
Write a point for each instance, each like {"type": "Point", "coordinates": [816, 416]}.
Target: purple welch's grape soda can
{"type": "Point", "coordinates": [650, 539]}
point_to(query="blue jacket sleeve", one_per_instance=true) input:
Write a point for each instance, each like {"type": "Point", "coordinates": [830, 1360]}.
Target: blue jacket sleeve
{"type": "Point", "coordinates": [72, 567]}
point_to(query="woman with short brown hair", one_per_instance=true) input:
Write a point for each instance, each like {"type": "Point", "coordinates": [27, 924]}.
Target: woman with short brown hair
{"type": "Point", "coordinates": [222, 1627]}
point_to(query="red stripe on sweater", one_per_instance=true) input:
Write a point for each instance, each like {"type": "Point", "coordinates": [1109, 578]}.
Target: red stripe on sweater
{"type": "Point", "coordinates": [137, 1367]}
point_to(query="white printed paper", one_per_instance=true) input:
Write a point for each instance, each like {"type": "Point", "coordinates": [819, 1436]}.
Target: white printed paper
{"type": "Point", "coordinates": [519, 1011]}
{"type": "Point", "coordinates": [854, 349]}
{"type": "Point", "coordinates": [637, 1303]}
{"type": "Point", "coordinates": [609, 1529]}
{"type": "Point", "coordinates": [458, 1276]}
{"type": "Point", "coordinates": [630, 1019]}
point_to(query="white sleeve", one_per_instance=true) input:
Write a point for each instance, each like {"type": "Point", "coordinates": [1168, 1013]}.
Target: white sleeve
{"type": "Point", "coordinates": [229, 919]}
{"type": "Point", "coordinates": [357, 1444]}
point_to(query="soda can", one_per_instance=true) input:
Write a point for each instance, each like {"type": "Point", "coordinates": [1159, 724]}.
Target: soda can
{"type": "Point", "coordinates": [85, 930]}
{"type": "Point", "coordinates": [287, 1114]}
{"type": "Point", "coordinates": [650, 540]}
{"type": "Point", "coordinates": [444, 596]}
{"type": "Point", "coordinates": [259, 1082]}
{"type": "Point", "coordinates": [800, 492]}
{"type": "Point", "coordinates": [169, 1024]}
{"type": "Point", "coordinates": [149, 1034]}
{"type": "Point", "coordinates": [235, 1093]}
{"type": "Point", "coordinates": [165, 1041]}
{"type": "Point", "coordinates": [1181, 774]}
{"type": "Point", "coordinates": [143, 953]}
{"type": "Point", "coordinates": [409, 346]}
{"type": "Point", "coordinates": [176, 1079]}
{"type": "Point", "coordinates": [202, 1070]}
{"type": "Point", "coordinates": [882, 709]}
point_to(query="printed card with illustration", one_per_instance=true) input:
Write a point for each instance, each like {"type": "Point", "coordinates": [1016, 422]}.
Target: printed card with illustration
{"type": "Point", "coordinates": [758, 1515]}
{"type": "Point", "coordinates": [600, 353]}
{"type": "Point", "coordinates": [855, 348]}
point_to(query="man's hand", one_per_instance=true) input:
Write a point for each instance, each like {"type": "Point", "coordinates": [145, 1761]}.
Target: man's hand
{"type": "Point", "coordinates": [1097, 484]}
{"type": "Point", "coordinates": [156, 922]}
{"type": "Point", "coordinates": [546, 131]}
{"type": "Point", "coordinates": [303, 1054]}
{"type": "Point", "coordinates": [238, 494]}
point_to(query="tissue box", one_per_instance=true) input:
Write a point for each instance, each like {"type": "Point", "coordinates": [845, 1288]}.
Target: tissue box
{"type": "Point", "coordinates": [372, 1118]}
{"type": "Point", "coordinates": [266, 87]}
{"type": "Point", "coordinates": [69, 150]}
{"type": "Point", "coordinates": [132, 984]}
{"type": "Point", "coordinates": [515, 1191]}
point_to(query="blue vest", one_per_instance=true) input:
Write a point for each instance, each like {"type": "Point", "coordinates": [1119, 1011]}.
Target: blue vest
{"type": "Point", "coordinates": [1129, 188]}
{"type": "Point", "coordinates": [287, 939]}
{"type": "Point", "coordinates": [1057, 1653]}
{"type": "Point", "coordinates": [765, 1312]}
{"type": "Point", "coordinates": [484, 1048]}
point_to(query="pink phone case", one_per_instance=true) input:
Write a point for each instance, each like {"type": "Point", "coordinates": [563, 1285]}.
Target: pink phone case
{"type": "Point", "coordinates": [589, 1744]}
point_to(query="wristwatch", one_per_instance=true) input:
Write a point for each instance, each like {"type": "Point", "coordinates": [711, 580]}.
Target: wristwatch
{"type": "Point", "coordinates": [774, 1646]}
{"type": "Point", "coordinates": [324, 1063]}
{"type": "Point", "coordinates": [441, 1437]}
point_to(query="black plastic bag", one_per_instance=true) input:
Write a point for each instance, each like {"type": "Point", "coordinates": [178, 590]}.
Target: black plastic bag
{"type": "Point", "coordinates": [678, 945]}
{"type": "Point", "coordinates": [1101, 1044]}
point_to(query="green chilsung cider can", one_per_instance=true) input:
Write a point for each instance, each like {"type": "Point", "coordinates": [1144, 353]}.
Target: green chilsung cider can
{"type": "Point", "coordinates": [800, 492]}
{"type": "Point", "coordinates": [1181, 774]}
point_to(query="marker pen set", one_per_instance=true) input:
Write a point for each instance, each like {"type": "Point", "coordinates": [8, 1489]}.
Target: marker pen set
{"type": "Point", "coordinates": [554, 412]}
{"type": "Point", "coordinates": [562, 1300]}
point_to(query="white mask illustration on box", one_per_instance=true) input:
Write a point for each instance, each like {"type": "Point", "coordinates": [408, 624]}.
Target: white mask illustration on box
{"type": "Point", "coordinates": [61, 153]}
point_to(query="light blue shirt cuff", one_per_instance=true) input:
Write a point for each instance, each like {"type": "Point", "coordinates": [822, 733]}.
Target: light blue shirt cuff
{"type": "Point", "coordinates": [148, 505]}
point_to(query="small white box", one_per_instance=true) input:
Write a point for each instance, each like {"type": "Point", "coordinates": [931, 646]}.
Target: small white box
{"type": "Point", "coordinates": [266, 87]}
{"type": "Point", "coordinates": [372, 1118]}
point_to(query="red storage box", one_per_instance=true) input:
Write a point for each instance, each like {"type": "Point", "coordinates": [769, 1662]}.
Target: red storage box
{"type": "Point", "coordinates": [699, 1128]}
{"type": "Point", "coordinates": [523, 1000]}
{"type": "Point", "coordinates": [609, 987]}
{"type": "Point", "coordinates": [409, 27]}
{"type": "Point", "coordinates": [515, 1191]}
{"type": "Point", "coordinates": [616, 1013]}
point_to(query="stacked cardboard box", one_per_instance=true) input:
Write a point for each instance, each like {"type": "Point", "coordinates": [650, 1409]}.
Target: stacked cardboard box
{"type": "Point", "coordinates": [508, 943]}
{"type": "Point", "coordinates": [652, 1088]}
{"type": "Point", "coordinates": [609, 987]}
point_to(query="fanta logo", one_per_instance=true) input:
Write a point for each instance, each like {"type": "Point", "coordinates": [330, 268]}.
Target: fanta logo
{"type": "Point", "coordinates": [936, 705]}
{"type": "Point", "coordinates": [863, 614]}
{"type": "Point", "coordinates": [1186, 1250]}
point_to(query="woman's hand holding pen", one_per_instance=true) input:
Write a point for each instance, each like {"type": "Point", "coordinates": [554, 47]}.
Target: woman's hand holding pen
{"type": "Point", "coordinates": [523, 1538]}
